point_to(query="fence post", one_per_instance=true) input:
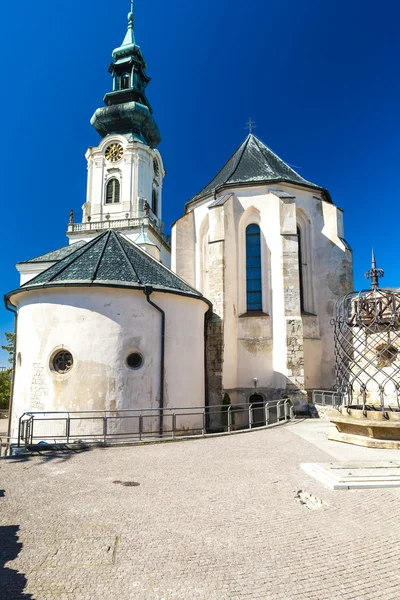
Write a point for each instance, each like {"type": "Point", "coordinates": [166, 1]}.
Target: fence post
{"type": "Point", "coordinates": [250, 416]}
{"type": "Point", "coordinates": [229, 418]}
{"type": "Point", "coordinates": [105, 428]}
{"type": "Point", "coordinates": [285, 406]}
{"type": "Point", "coordinates": [173, 425]}
{"type": "Point", "coordinates": [19, 430]}
{"type": "Point", "coordinates": [140, 427]}
{"type": "Point", "coordinates": [68, 428]}
{"type": "Point", "coordinates": [204, 422]}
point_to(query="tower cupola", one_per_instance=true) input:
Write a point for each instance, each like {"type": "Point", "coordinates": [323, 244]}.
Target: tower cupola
{"type": "Point", "coordinates": [127, 110]}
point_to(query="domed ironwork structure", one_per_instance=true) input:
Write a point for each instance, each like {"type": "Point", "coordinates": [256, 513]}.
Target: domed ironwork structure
{"type": "Point", "coordinates": [367, 344]}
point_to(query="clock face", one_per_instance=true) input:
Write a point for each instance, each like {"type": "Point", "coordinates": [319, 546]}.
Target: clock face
{"type": "Point", "coordinates": [114, 152]}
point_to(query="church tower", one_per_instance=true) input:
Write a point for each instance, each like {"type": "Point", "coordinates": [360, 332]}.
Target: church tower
{"type": "Point", "coordinates": [125, 171]}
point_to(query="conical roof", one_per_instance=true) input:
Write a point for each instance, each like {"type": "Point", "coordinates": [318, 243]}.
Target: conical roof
{"type": "Point", "coordinates": [254, 163]}
{"type": "Point", "coordinates": [111, 260]}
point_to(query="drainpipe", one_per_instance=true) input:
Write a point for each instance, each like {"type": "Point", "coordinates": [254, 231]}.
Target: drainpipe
{"type": "Point", "coordinates": [15, 313]}
{"type": "Point", "coordinates": [148, 290]}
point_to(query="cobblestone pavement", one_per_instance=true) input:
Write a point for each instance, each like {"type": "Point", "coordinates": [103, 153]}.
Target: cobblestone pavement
{"type": "Point", "coordinates": [206, 519]}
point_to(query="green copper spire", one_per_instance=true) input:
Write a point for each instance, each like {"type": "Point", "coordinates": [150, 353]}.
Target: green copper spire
{"type": "Point", "coordinates": [127, 110]}
{"type": "Point", "coordinates": [129, 43]}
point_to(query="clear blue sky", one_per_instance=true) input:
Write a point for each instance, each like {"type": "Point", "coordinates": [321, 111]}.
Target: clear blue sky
{"type": "Point", "coordinates": [321, 80]}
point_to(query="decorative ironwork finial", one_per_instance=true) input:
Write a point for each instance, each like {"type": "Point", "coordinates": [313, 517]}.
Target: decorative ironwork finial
{"type": "Point", "coordinates": [250, 125]}
{"type": "Point", "coordinates": [374, 274]}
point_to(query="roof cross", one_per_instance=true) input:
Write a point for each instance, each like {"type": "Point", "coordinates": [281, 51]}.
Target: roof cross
{"type": "Point", "coordinates": [132, 5]}
{"type": "Point", "coordinates": [250, 125]}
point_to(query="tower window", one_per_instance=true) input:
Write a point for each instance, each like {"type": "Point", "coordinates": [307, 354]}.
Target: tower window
{"type": "Point", "coordinates": [154, 202]}
{"type": "Point", "coordinates": [125, 81]}
{"type": "Point", "coordinates": [253, 268]}
{"type": "Point", "coordinates": [113, 192]}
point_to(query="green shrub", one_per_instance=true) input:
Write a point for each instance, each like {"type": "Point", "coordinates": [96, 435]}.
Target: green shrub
{"type": "Point", "coordinates": [5, 389]}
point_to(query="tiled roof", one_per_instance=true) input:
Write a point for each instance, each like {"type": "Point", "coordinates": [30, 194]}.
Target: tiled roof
{"type": "Point", "coordinates": [111, 259]}
{"type": "Point", "coordinates": [55, 255]}
{"type": "Point", "coordinates": [254, 163]}
{"type": "Point", "coordinates": [220, 201]}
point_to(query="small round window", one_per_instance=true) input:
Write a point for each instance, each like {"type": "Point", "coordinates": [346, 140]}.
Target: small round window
{"type": "Point", "coordinates": [62, 362]}
{"type": "Point", "coordinates": [134, 360]}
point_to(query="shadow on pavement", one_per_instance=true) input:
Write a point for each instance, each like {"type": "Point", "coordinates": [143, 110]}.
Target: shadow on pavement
{"type": "Point", "coordinates": [12, 583]}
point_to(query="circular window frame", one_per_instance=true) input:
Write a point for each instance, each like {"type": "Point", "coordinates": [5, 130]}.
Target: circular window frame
{"type": "Point", "coordinates": [53, 357]}
{"type": "Point", "coordinates": [135, 354]}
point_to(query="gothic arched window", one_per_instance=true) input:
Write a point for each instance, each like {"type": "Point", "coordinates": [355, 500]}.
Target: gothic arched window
{"type": "Point", "coordinates": [125, 81]}
{"type": "Point", "coordinates": [154, 202]}
{"type": "Point", "coordinates": [253, 268]}
{"type": "Point", "coordinates": [113, 191]}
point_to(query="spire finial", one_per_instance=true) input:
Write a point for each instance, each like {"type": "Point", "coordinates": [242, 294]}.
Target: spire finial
{"type": "Point", "coordinates": [374, 274]}
{"type": "Point", "coordinates": [250, 125]}
{"type": "Point", "coordinates": [131, 15]}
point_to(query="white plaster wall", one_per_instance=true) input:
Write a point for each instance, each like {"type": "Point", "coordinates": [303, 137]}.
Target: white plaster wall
{"type": "Point", "coordinates": [247, 347]}
{"type": "Point", "coordinates": [100, 327]}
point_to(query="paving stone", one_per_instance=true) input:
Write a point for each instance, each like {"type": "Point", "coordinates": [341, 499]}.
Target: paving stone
{"type": "Point", "coordinates": [210, 519]}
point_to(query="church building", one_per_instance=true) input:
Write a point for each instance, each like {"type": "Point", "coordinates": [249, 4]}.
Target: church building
{"type": "Point", "coordinates": [242, 305]}
{"type": "Point", "coordinates": [267, 248]}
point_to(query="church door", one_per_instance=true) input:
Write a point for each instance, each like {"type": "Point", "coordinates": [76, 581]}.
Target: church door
{"type": "Point", "coordinates": [257, 411]}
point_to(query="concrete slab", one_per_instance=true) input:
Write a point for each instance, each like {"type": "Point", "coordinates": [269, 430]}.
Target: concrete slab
{"type": "Point", "coordinates": [353, 476]}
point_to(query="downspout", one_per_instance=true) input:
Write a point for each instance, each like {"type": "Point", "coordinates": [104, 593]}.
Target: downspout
{"type": "Point", "coordinates": [15, 313]}
{"type": "Point", "coordinates": [148, 290]}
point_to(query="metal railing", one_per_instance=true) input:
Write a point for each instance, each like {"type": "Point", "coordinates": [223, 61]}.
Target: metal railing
{"type": "Point", "coordinates": [109, 427]}
{"type": "Point", "coordinates": [326, 398]}
{"type": "Point", "coordinates": [152, 224]}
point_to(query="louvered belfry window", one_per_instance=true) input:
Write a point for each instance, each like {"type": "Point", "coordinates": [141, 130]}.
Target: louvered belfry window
{"type": "Point", "coordinates": [113, 191]}
{"type": "Point", "coordinates": [253, 268]}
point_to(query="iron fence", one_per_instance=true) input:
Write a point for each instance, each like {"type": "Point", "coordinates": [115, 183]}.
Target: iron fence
{"type": "Point", "coordinates": [109, 427]}
{"type": "Point", "coordinates": [326, 398]}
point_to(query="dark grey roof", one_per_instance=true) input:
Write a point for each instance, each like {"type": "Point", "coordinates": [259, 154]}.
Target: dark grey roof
{"type": "Point", "coordinates": [281, 194]}
{"type": "Point", "coordinates": [111, 260]}
{"type": "Point", "coordinates": [254, 163]}
{"type": "Point", "coordinates": [55, 255]}
{"type": "Point", "coordinates": [220, 201]}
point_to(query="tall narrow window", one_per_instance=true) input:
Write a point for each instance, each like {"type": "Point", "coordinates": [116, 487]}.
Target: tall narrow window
{"type": "Point", "coordinates": [125, 81]}
{"type": "Point", "coordinates": [253, 268]}
{"type": "Point", "coordinates": [301, 268]}
{"type": "Point", "coordinates": [113, 192]}
{"type": "Point", "coordinates": [154, 202]}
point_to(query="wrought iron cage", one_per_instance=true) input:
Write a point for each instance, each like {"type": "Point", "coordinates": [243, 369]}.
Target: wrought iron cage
{"type": "Point", "coordinates": [367, 347]}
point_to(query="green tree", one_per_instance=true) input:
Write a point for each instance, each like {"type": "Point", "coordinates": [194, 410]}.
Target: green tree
{"type": "Point", "coordinates": [9, 346]}
{"type": "Point", "coordinates": [5, 389]}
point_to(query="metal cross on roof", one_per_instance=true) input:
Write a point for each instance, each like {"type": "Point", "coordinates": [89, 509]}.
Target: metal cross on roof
{"type": "Point", "coordinates": [132, 5]}
{"type": "Point", "coordinates": [250, 125]}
